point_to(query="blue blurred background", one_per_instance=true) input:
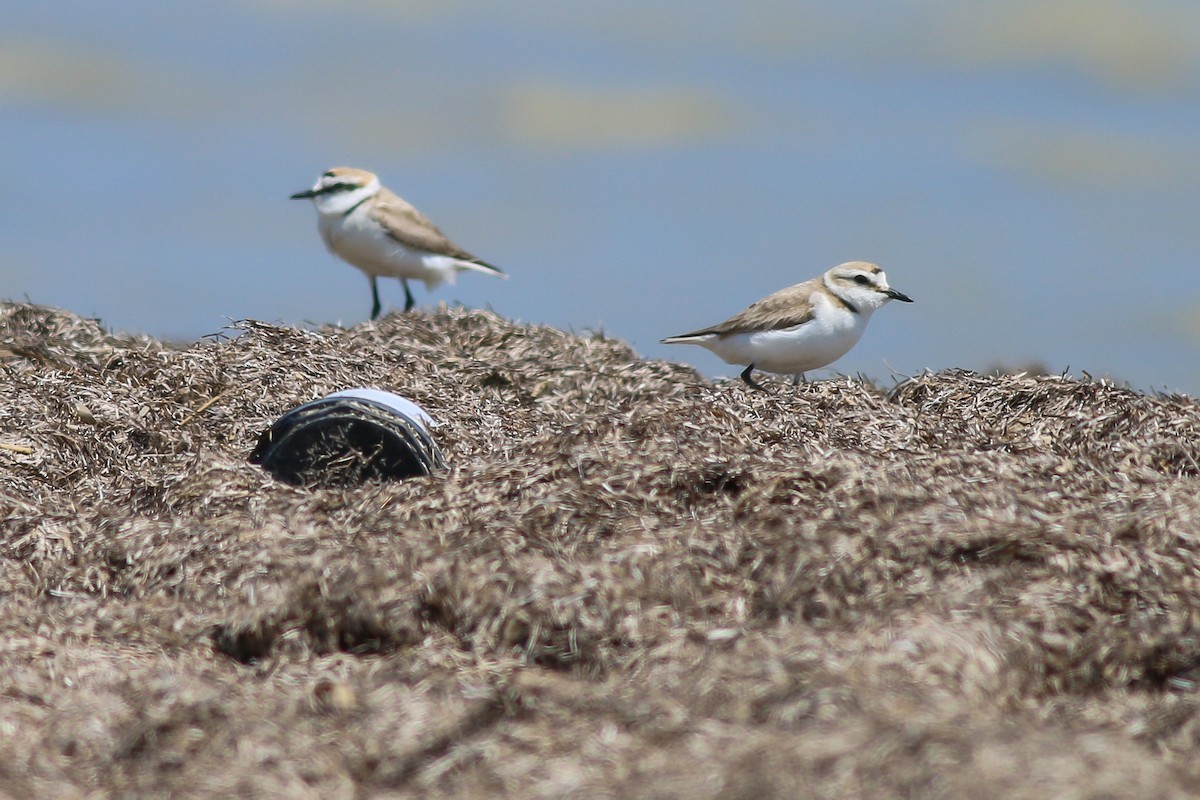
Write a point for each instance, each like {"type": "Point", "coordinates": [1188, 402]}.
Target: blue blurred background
{"type": "Point", "coordinates": [1027, 170]}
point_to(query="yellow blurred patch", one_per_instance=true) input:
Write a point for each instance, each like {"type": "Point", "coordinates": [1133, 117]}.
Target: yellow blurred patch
{"type": "Point", "coordinates": [1087, 157]}
{"type": "Point", "coordinates": [555, 115]}
{"type": "Point", "coordinates": [64, 74]}
{"type": "Point", "coordinates": [1133, 45]}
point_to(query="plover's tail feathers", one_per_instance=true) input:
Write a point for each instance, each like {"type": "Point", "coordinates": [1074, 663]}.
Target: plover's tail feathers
{"type": "Point", "coordinates": [695, 337]}
{"type": "Point", "coordinates": [439, 269]}
{"type": "Point", "coordinates": [476, 265]}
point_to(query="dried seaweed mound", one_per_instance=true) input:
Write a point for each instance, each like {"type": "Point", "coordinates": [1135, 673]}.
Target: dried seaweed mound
{"type": "Point", "coordinates": [630, 582]}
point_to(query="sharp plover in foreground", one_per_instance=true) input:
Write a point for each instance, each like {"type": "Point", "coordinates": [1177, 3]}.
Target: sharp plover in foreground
{"type": "Point", "coordinates": [802, 327]}
{"type": "Point", "coordinates": [371, 228]}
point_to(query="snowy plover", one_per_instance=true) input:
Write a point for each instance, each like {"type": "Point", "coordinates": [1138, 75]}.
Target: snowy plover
{"type": "Point", "coordinates": [371, 228]}
{"type": "Point", "coordinates": [802, 327]}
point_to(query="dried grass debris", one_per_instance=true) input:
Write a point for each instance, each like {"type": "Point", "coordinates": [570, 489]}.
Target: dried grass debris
{"type": "Point", "coordinates": [629, 582]}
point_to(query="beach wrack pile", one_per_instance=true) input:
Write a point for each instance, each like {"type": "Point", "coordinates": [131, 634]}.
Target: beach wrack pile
{"type": "Point", "coordinates": [629, 582]}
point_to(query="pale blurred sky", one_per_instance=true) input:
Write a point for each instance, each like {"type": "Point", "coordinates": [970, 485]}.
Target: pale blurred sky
{"type": "Point", "coordinates": [1029, 172]}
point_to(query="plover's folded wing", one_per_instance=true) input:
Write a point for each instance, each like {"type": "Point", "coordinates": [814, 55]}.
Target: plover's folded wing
{"type": "Point", "coordinates": [786, 308]}
{"type": "Point", "coordinates": [411, 228]}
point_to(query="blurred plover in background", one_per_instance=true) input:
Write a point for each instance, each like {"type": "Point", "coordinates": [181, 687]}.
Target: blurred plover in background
{"type": "Point", "coordinates": [369, 227]}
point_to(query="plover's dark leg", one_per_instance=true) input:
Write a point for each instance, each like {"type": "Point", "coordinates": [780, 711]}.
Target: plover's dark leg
{"type": "Point", "coordinates": [749, 379]}
{"type": "Point", "coordinates": [408, 298]}
{"type": "Point", "coordinates": [375, 298]}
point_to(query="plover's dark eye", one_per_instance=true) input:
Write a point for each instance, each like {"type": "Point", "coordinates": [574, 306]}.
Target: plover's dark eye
{"type": "Point", "coordinates": [862, 280]}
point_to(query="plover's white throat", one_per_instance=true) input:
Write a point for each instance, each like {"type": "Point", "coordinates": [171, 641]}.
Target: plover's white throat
{"type": "Point", "coordinates": [802, 327]}
{"type": "Point", "coordinates": [371, 228]}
